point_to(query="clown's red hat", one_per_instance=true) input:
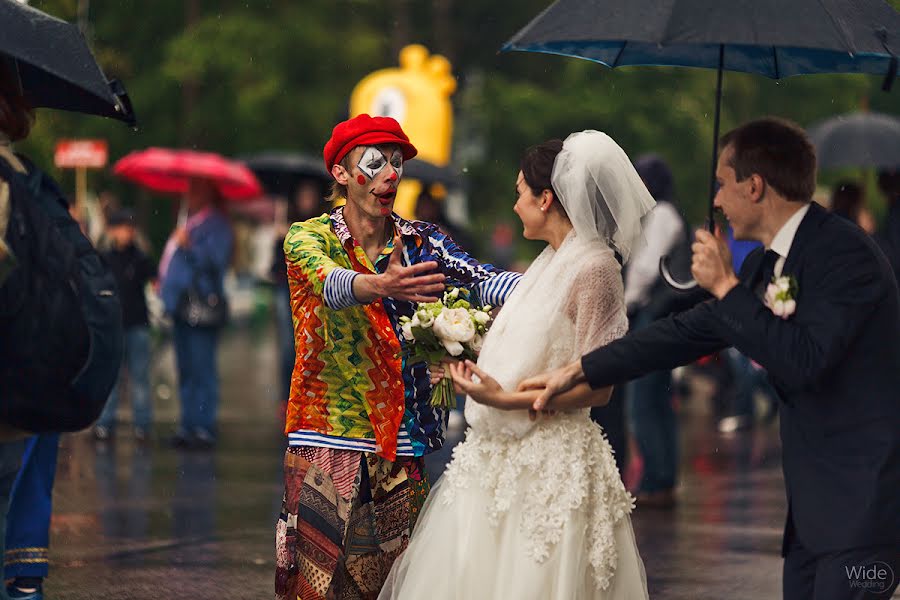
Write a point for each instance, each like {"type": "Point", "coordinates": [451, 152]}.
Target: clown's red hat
{"type": "Point", "coordinates": [364, 130]}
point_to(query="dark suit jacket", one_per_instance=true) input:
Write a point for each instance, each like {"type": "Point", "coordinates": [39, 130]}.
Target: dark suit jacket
{"type": "Point", "coordinates": [835, 363]}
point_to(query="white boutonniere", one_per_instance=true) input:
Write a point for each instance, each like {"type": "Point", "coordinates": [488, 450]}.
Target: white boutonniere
{"type": "Point", "coordinates": [780, 294]}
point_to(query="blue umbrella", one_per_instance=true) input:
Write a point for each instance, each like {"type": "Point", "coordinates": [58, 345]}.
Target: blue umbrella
{"type": "Point", "coordinates": [774, 38]}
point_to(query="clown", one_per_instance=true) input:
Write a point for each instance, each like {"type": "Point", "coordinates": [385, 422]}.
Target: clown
{"type": "Point", "coordinates": [358, 421]}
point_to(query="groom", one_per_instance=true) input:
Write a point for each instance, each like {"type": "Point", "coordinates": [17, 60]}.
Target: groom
{"type": "Point", "coordinates": [833, 354]}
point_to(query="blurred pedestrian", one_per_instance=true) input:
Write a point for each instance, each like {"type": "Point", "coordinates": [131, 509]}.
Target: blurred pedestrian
{"type": "Point", "coordinates": [889, 236]}
{"type": "Point", "coordinates": [649, 407]}
{"type": "Point", "coordinates": [15, 122]}
{"type": "Point", "coordinates": [28, 522]}
{"type": "Point", "coordinates": [308, 202]}
{"type": "Point", "coordinates": [48, 334]}
{"type": "Point", "coordinates": [60, 325]}
{"type": "Point", "coordinates": [739, 379]}
{"type": "Point", "coordinates": [133, 270]}
{"type": "Point", "coordinates": [503, 249]}
{"type": "Point", "coordinates": [848, 202]}
{"type": "Point", "coordinates": [430, 208]}
{"type": "Point", "coordinates": [191, 273]}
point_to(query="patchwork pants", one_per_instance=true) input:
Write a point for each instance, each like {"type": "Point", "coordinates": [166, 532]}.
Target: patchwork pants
{"type": "Point", "coordinates": [345, 518]}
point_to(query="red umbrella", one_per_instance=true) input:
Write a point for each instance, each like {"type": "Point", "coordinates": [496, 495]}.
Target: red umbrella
{"type": "Point", "coordinates": [170, 171]}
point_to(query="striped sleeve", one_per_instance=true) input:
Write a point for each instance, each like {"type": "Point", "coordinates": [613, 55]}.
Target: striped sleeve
{"type": "Point", "coordinates": [492, 285]}
{"type": "Point", "coordinates": [309, 249]}
{"type": "Point", "coordinates": [495, 290]}
{"type": "Point", "coordinates": [338, 291]}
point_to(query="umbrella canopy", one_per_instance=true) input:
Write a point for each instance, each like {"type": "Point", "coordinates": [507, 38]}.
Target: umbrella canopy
{"type": "Point", "coordinates": [293, 163]}
{"type": "Point", "coordinates": [767, 37]}
{"type": "Point", "coordinates": [858, 140]}
{"type": "Point", "coordinates": [170, 171]}
{"type": "Point", "coordinates": [428, 173]}
{"type": "Point", "coordinates": [55, 65]}
{"type": "Point", "coordinates": [281, 172]}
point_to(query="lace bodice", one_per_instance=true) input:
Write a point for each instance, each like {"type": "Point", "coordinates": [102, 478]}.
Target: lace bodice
{"type": "Point", "coordinates": [568, 303]}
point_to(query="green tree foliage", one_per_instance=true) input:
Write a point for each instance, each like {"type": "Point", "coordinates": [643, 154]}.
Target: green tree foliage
{"type": "Point", "coordinates": [242, 76]}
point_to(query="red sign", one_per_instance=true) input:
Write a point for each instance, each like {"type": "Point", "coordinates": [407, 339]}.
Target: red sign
{"type": "Point", "coordinates": [70, 154]}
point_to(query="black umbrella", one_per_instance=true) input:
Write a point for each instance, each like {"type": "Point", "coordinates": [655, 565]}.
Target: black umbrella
{"type": "Point", "coordinates": [55, 66]}
{"type": "Point", "coordinates": [293, 163]}
{"type": "Point", "coordinates": [428, 173]}
{"type": "Point", "coordinates": [281, 172]}
{"type": "Point", "coordinates": [775, 38]}
{"type": "Point", "coordinates": [857, 140]}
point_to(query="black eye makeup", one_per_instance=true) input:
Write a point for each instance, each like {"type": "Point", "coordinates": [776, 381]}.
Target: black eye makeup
{"type": "Point", "coordinates": [372, 161]}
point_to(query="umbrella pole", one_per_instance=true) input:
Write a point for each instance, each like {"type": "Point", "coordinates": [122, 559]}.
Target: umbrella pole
{"type": "Point", "coordinates": [182, 213]}
{"type": "Point", "coordinates": [664, 271]}
{"type": "Point", "coordinates": [711, 223]}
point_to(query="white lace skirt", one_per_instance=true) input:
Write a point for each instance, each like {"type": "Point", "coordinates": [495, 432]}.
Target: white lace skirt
{"type": "Point", "coordinates": [465, 547]}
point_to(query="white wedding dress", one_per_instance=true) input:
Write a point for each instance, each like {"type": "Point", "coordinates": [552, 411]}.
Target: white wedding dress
{"type": "Point", "coordinates": [533, 509]}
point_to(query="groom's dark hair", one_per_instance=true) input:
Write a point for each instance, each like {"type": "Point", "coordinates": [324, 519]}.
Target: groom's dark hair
{"type": "Point", "coordinates": [778, 151]}
{"type": "Point", "coordinates": [537, 166]}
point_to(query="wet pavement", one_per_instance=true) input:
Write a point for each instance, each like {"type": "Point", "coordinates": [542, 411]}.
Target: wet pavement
{"type": "Point", "coordinates": [146, 521]}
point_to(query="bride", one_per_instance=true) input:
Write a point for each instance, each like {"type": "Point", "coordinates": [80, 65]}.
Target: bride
{"type": "Point", "coordinates": [534, 507]}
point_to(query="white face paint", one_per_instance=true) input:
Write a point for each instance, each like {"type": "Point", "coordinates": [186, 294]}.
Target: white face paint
{"type": "Point", "coordinates": [373, 161]}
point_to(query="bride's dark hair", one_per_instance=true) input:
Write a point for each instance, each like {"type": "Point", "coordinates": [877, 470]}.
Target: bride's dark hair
{"type": "Point", "coordinates": [537, 165]}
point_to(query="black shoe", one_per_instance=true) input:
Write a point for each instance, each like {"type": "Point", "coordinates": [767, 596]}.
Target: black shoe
{"type": "Point", "coordinates": [14, 592]}
{"type": "Point", "coordinates": [661, 499]}
{"type": "Point", "coordinates": [180, 440]}
{"type": "Point", "coordinates": [203, 439]}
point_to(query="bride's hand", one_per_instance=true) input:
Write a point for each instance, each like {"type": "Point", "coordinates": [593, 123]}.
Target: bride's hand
{"type": "Point", "coordinates": [485, 391]}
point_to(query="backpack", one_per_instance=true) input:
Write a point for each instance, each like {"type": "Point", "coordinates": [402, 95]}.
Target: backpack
{"type": "Point", "coordinates": [665, 300]}
{"type": "Point", "coordinates": [61, 334]}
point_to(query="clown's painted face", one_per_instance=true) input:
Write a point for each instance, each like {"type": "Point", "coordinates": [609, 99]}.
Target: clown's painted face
{"type": "Point", "coordinates": [373, 160]}
{"type": "Point", "coordinates": [372, 184]}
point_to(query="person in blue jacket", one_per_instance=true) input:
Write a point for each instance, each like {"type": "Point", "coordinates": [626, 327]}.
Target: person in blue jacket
{"type": "Point", "coordinates": [195, 259]}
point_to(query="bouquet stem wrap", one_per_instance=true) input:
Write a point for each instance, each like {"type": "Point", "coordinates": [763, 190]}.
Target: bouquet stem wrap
{"type": "Point", "coordinates": [443, 395]}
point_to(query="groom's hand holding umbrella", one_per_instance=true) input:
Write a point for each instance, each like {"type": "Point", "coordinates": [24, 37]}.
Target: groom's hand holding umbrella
{"type": "Point", "coordinates": [711, 264]}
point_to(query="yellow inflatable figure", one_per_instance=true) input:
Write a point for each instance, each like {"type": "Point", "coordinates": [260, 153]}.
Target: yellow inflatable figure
{"type": "Point", "coordinates": [417, 94]}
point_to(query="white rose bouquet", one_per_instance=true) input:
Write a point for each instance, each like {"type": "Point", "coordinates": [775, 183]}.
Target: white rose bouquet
{"type": "Point", "coordinates": [451, 327]}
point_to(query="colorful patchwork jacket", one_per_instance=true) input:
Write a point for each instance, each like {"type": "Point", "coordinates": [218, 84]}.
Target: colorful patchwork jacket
{"type": "Point", "coordinates": [352, 388]}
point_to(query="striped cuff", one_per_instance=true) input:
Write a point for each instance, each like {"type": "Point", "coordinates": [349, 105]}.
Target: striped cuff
{"type": "Point", "coordinates": [496, 290]}
{"type": "Point", "coordinates": [303, 437]}
{"type": "Point", "coordinates": [339, 289]}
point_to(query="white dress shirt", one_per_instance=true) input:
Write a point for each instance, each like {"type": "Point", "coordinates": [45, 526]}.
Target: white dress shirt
{"type": "Point", "coordinates": [784, 239]}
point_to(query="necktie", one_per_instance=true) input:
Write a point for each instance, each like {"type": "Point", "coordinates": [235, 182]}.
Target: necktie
{"type": "Point", "coordinates": [766, 271]}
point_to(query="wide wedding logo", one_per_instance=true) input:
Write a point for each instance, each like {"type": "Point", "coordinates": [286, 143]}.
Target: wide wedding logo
{"type": "Point", "coordinates": [874, 577]}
